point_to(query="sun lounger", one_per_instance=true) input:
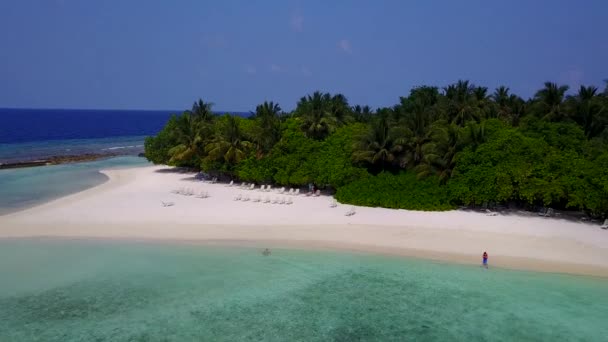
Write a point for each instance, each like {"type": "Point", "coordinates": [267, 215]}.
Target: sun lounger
{"type": "Point", "coordinates": [230, 184]}
{"type": "Point", "coordinates": [267, 200]}
{"type": "Point", "coordinates": [167, 204]}
{"type": "Point", "coordinates": [296, 192]}
{"type": "Point", "coordinates": [289, 201]}
{"type": "Point", "coordinates": [350, 212]}
{"type": "Point", "coordinates": [282, 200]}
{"type": "Point", "coordinates": [490, 213]}
{"type": "Point", "coordinates": [252, 186]}
{"type": "Point", "coordinates": [333, 204]}
{"type": "Point", "coordinates": [281, 190]}
{"type": "Point", "coordinates": [238, 197]}
{"type": "Point", "coordinates": [275, 201]}
{"type": "Point", "coordinates": [257, 199]}
{"type": "Point", "coordinates": [268, 188]}
{"type": "Point", "coordinates": [262, 188]}
{"type": "Point", "coordinates": [246, 198]}
{"type": "Point", "coordinates": [605, 225]}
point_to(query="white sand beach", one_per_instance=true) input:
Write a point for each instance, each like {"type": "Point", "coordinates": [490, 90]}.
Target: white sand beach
{"type": "Point", "coordinates": [128, 206]}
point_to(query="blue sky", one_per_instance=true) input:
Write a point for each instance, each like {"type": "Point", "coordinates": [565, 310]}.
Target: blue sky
{"type": "Point", "coordinates": [127, 54]}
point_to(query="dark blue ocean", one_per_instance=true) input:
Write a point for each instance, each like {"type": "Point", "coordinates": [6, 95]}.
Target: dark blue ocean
{"type": "Point", "coordinates": [27, 134]}
{"type": "Point", "coordinates": [27, 125]}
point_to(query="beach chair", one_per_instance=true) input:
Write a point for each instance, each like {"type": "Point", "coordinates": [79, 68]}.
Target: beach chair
{"type": "Point", "coordinates": [333, 204]}
{"type": "Point", "coordinates": [252, 186]}
{"type": "Point", "coordinates": [605, 225]}
{"type": "Point", "coordinates": [262, 188]}
{"type": "Point", "coordinates": [282, 200]}
{"type": "Point", "coordinates": [167, 204]}
{"type": "Point", "coordinates": [246, 198]}
{"type": "Point", "coordinates": [238, 197]}
{"type": "Point", "coordinates": [267, 199]}
{"type": "Point", "coordinates": [317, 193]}
{"type": "Point", "coordinates": [230, 184]}
{"type": "Point", "coordinates": [490, 213]}
{"type": "Point", "coordinates": [296, 192]}
{"type": "Point", "coordinates": [289, 201]}
{"type": "Point", "coordinates": [257, 199]}
{"type": "Point", "coordinates": [350, 212]}
{"type": "Point", "coordinates": [200, 195]}
{"type": "Point", "coordinates": [281, 190]}
{"type": "Point", "coordinates": [275, 200]}
{"type": "Point", "coordinates": [268, 188]}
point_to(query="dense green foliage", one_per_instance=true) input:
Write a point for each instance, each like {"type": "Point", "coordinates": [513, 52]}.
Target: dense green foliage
{"type": "Point", "coordinates": [436, 148]}
{"type": "Point", "coordinates": [402, 191]}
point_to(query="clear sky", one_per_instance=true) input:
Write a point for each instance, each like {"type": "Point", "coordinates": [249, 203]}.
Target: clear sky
{"type": "Point", "coordinates": [150, 54]}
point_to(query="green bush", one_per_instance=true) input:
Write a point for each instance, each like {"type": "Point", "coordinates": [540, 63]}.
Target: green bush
{"type": "Point", "coordinates": [402, 191]}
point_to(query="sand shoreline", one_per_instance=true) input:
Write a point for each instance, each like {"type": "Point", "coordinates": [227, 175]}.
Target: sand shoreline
{"type": "Point", "coordinates": [127, 207]}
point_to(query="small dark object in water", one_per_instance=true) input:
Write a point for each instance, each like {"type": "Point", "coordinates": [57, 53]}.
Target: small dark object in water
{"type": "Point", "coordinates": [266, 252]}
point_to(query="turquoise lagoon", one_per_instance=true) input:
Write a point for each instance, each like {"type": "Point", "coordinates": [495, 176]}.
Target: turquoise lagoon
{"type": "Point", "coordinates": [84, 290]}
{"type": "Point", "coordinates": [27, 187]}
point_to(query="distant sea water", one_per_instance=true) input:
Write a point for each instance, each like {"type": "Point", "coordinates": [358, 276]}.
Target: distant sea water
{"type": "Point", "coordinates": [27, 134]}
{"type": "Point", "coordinates": [53, 290]}
{"type": "Point", "coordinates": [31, 134]}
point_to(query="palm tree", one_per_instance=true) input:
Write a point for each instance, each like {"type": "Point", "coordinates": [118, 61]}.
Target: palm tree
{"type": "Point", "coordinates": [268, 120]}
{"type": "Point", "coordinates": [417, 124]}
{"type": "Point", "coordinates": [228, 144]}
{"type": "Point", "coordinates": [481, 102]}
{"type": "Point", "coordinates": [587, 110]}
{"type": "Point", "coordinates": [362, 114]}
{"type": "Point", "coordinates": [549, 101]}
{"type": "Point", "coordinates": [340, 109]}
{"type": "Point", "coordinates": [462, 102]}
{"type": "Point", "coordinates": [188, 137]}
{"type": "Point", "coordinates": [502, 103]}
{"type": "Point", "coordinates": [316, 115]}
{"type": "Point", "coordinates": [202, 110]}
{"type": "Point", "coordinates": [381, 145]}
{"type": "Point", "coordinates": [440, 154]}
{"type": "Point", "coordinates": [474, 134]}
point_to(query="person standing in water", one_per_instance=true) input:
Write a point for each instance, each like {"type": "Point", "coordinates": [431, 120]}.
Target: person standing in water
{"type": "Point", "coordinates": [266, 252]}
{"type": "Point", "coordinates": [485, 259]}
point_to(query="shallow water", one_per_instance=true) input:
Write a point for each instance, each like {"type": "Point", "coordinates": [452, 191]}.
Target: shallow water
{"type": "Point", "coordinates": [126, 291]}
{"type": "Point", "coordinates": [27, 187]}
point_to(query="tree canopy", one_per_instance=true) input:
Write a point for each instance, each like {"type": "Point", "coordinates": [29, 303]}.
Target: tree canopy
{"type": "Point", "coordinates": [438, 147]}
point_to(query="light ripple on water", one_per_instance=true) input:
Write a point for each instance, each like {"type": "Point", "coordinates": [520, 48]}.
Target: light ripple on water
{"type": "Point", "coordinates": [103, 291]}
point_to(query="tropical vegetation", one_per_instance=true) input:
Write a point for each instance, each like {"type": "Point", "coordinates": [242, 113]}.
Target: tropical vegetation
{"type": "Point", "coordinates": [437, 148]}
